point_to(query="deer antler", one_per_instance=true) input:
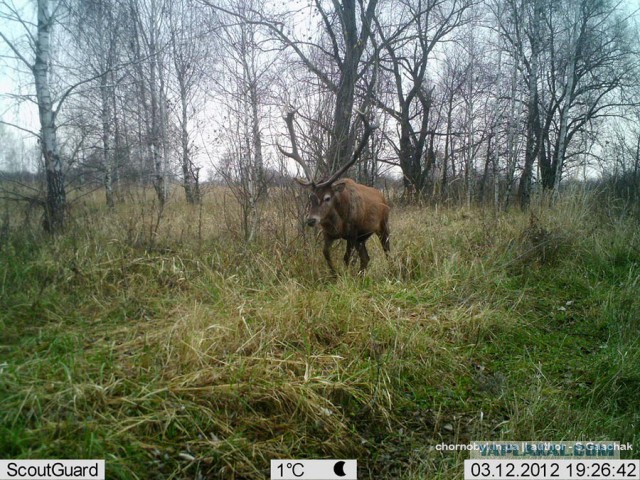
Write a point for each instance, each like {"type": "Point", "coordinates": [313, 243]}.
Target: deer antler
{"type": "Point", "coordinates": [294, 153]}
{"type": "Point", "coordinates": [368, 130]}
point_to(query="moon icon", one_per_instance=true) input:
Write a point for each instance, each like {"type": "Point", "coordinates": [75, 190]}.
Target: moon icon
{"type": "Point", "coordinates": [338, 469]}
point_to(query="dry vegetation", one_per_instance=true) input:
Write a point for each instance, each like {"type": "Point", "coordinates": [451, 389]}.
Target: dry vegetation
{"type": "Point", "coordinates": [164, 344]}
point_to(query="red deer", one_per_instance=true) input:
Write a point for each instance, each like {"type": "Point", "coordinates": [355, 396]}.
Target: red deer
{"type": "Point", "coordinates": [342, 208]}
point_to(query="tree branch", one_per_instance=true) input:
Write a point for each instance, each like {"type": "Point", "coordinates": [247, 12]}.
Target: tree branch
{"type": "Point", "coordinates": [273, 27]}
{"type": "Point", "coordinates": [16, 51]}
{"type": "Point", "coordinates": [37, 135]}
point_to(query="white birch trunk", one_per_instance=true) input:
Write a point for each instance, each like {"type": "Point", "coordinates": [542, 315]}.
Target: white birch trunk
{"type": "Point", "coordinates": [107, 53]}
{"type": "Point", "coordinates": [56, 195]}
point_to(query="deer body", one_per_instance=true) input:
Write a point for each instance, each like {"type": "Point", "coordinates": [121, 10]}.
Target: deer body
{"type": "Point", "coordinates": [350, 211]}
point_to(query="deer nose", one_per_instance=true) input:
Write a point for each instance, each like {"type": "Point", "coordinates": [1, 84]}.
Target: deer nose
{"type": "Point", "coordinates": [311, 221]}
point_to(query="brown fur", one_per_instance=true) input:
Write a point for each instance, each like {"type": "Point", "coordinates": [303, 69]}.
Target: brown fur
{"type": "Point", "coordinates": [350, 211]}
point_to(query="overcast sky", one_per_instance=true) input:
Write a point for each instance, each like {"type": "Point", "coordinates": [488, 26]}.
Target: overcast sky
{"type": "Point", "coordinates": [16, 80]}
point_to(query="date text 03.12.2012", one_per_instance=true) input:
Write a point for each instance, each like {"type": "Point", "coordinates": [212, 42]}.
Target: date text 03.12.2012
{"type": "Point", "coordinates": [551, 469]}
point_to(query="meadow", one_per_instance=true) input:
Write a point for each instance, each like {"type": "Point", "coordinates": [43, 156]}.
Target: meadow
{"type": "Point", "coordinates": [165, 344]}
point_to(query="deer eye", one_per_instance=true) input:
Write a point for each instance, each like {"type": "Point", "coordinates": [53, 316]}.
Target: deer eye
{"type": "Point", "coordinates": [327, 198]}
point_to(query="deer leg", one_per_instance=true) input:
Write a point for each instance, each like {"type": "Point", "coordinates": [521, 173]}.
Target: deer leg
{"type": "Point", "coordinates": [347, 255]}
{"type": "Point", "coordinates": [328, 241]}
{"type": "Point", "coordinates": [364, 256]}
{"type": "Point", "coordinates": [384, 239]}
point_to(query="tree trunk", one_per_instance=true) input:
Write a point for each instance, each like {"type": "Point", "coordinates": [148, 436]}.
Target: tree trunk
{"type": "Point", "coordinates": [485, 172]}
{"type": "Point", "coordinates": [55, 203]}
{"type": "Point", "coordinates": [117, 159]}
{"type": "Point", "coordinates": [106, 141]}
{"type": "Point", "coordinates": [343, 136]}
{"type": "Point", "coordinates": [512, 143]}
{"type": "Point", "coordinates": [155, 140]}
{"type": "Point", "coordinates": [564, 115]}
{"type": "Point", "coordinates": [447, 145]}
{"type": "Point", "coordinates": [533, 114]}
{"type": "Point", "coordinates": [188, 179]}
{"type": "Point", "coordinates": [468, 165]}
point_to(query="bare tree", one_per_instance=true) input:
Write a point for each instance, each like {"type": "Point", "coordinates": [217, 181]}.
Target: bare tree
{"type": "Point", "coordinates": [39, 60]}
{"type": "Point", "coordinates": [242, 82]}
{"type": "Point", "coordinates": [97, 33]}
{"type": "Point", "coordinates": [336, 60]}
{"type": "Point", "coordinates": [149, 47]}
{"type": "Point", "coordinates": [39, 65]}
{"type": "Point", "coordinates": [409, 41]}
{"type": "Point", "coordinates": [190, 54]}
{"type": "Point", "coordinates": [575, 56]}
{"type": "Point", "coordinates": [529, 24]}
{"type": "Point", "coordinates": [592, 61]}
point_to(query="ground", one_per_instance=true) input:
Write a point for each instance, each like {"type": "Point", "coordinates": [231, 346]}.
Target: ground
{"type": "Point", "coordinates": [163, 343]}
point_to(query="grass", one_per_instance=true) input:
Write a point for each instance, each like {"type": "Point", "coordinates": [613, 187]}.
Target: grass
{"type": "Point", "coordinates": [164, 344]}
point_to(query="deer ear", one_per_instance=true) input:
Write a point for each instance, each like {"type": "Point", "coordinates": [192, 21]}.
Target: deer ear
{"type": "Point", "coordinates": [338, 186]}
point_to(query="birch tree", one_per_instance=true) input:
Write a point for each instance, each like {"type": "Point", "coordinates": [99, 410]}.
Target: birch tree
{"type": "Point", "coordinates": [97, 35]}
{"type": "Point", "coordinates": [149, 47]}
{"type": "Point", "coordinates": [191, 54]}
{"type": "Point", "coordinates": [242, 82]}
{"type": "Point", "coordinates": [38, 60]}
